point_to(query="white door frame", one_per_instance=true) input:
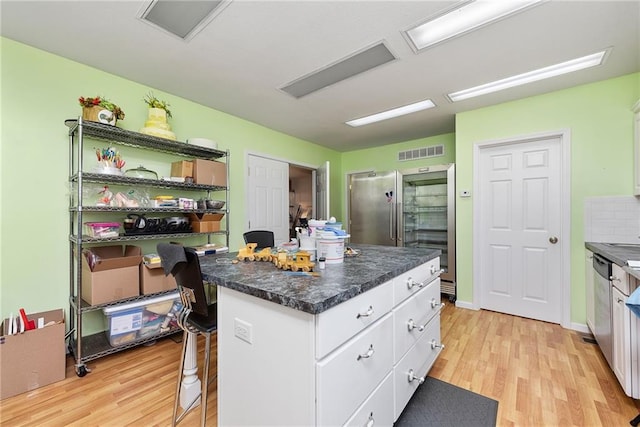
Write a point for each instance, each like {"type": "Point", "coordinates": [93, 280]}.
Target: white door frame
{"type": "Point", "coordinates": [565, 200]}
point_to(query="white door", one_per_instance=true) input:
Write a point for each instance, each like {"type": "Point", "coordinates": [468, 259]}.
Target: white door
{"type": "Point", "coordinates": [322, 192]}
{"type": "Point", "coordinates": [519, 255]}
{"type": "Point", "coordinates": [268, 197]}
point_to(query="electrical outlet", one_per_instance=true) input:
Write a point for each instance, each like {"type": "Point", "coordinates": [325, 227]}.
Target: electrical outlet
{"type": "Point", "coordinates": [243, 330]}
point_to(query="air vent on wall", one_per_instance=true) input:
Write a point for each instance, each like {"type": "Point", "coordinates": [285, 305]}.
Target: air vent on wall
{"type": "Point", "coordinates": [421, 153]}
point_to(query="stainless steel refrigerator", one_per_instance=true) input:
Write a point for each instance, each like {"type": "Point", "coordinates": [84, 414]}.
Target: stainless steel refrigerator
{"type": "Point", "coordinates": [412, 208]}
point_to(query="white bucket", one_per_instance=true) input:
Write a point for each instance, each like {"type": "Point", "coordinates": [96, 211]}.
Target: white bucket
{"type": "Point", "coordinates": [332, 250]}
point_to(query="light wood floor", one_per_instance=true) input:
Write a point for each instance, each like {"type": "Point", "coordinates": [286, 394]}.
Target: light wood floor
{"type": "Point", "coordinates": [541, 374]}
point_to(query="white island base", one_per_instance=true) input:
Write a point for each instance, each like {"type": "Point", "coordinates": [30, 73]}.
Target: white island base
{"type": "Point", "coordinates": [353, 364]}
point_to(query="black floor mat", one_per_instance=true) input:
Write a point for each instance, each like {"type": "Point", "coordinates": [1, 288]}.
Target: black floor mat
{"type": "Point", "coordinates": [437, 403]}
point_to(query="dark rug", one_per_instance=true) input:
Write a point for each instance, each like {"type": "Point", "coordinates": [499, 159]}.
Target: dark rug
{"type": "Point", "coordinates": [436, 403]}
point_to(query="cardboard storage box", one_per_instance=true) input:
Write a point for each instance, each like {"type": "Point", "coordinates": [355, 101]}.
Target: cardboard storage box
{"type": "Point", "coordinates": [152, 279]}
{"type": "Point", "coordinates": [182, 168]}
{"type": "Point", "coordinates": [209, 172]}
{"type": "Point", "coordinates": [34, 358]}
{"type": "Point", "coordinates": [114, 275]}
{"type": "Point", "coordinates": [205, 223]}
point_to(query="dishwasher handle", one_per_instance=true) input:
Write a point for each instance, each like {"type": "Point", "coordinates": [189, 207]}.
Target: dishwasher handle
{"type": "Point", "coordinates": [602, 266]}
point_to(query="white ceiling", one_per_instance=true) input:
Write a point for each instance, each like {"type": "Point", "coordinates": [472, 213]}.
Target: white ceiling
{"type": "Point", "coordinates": [252, 48]}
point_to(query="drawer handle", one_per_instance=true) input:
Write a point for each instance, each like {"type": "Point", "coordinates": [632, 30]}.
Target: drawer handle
{"type": "Point", "coordinates": [370, 421]}
{"type": "Point", "coordinates": [411, 325]}
{"type": "Point", "coordinates": [435, 345]}
{"type": "Point", "coordinates": [435, 303]}
{"type": "Point", "coordinates": [367, 314]}
{"type": "Point", "coordinates": [411, 283]}
{"type": "Point", "coordinates": [432, 269]}
{"type": "Point", "coordinates": [368, 354]}
{"type": "Point", "coordinates": [412, 377]}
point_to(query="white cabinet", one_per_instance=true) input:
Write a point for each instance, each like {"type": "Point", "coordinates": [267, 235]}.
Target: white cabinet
{"type": "Point", "coordinates": [589, 288]}
{"type": "Point", "coordinates": [348, 365]}
{"type": "Point", "coordinates": [636, 149]}
{"type": "Point", "coordinates": [635, 346]}
{"type": "Point", "coordinates": [621, 323]}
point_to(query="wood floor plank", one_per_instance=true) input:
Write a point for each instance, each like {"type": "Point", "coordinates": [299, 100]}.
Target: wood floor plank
{"type": "Point", "coordinates": [541, 374]}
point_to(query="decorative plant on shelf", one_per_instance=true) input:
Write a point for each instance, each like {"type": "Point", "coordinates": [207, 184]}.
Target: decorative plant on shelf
{"type": "Point", "coordinates": [154, 102]}
{"type": "Point", "coordinates": [102, 102]}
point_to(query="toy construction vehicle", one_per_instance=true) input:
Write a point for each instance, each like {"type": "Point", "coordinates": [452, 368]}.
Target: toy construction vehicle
{"type": "Point", "coordinates": [263, 255]}
{"type": "Point", "coordinates": [300, 261]}
{"type": "Point", "coordinates": [247, 253]}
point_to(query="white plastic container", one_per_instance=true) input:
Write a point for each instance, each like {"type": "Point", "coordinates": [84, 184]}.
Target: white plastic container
{"type": "Point", "coordinates": [332, 249]}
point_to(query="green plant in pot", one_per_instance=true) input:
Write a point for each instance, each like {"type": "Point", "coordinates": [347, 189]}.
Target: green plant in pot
{"type": "Point", "coordinates": [99, 109]}
{"type": "Point", "coordinates": [156, 124]}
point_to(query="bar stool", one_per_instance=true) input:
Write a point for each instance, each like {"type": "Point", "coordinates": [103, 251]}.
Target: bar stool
{"type": "Point", "coordinates": [196, 317]}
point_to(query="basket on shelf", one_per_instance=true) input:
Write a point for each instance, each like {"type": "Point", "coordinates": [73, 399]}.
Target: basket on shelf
{"type": "Point", "coordinates": [99, 114]}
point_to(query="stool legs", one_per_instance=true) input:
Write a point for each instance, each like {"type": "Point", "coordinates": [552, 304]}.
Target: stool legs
{"type": "Point", "coordinates": [204, 393]}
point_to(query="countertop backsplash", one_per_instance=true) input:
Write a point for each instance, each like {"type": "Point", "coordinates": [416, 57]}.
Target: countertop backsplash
{"type": "Point", "coordinates": [612, 219]}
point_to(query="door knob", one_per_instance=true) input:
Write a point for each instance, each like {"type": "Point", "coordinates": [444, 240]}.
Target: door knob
{"type": "Point", "coordinates": [553, 239]}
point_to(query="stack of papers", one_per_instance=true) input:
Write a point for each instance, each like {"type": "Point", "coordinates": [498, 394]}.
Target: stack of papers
{"type": "Point", "coordinates": [633, 264]}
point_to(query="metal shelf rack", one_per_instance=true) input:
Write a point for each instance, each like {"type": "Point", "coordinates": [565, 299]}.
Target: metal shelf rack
{"type": "Point", "coordinates": [90, 347]}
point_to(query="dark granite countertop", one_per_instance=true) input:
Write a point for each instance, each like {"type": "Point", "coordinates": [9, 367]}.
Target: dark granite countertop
{"type": "Point", "coordinates": [337, 283]}
{"type": "Point", "coordinates": [618, 253]}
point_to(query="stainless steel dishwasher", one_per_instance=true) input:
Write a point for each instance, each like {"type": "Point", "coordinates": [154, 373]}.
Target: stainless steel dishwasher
{"type": "Point", "coordinates": [602, 303]}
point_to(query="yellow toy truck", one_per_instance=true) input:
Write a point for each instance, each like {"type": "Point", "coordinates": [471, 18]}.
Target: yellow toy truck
{"type": "Point", "coordinates": [247, 253]}
{"type": "Point", "coordinates": [264, 255]}
{"type": "Point", "coordinates": [301, 260]}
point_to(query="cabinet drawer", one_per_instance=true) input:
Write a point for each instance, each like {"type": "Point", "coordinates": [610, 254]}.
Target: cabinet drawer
{"type": "Point", "coordinates": [418, 359]}
{"type": "Point", "coordinates": [377, 410]}
{"type": "Point", "coordinates": [620, 279]}
{"type": "Point", "coordinates": [338, 324]}
{"type": "Point", "coordinates": [346, 377]}
{"type": "Point", "coordinates": [415, 279]}
{"type": "Point", "coordinates": [411, 318]}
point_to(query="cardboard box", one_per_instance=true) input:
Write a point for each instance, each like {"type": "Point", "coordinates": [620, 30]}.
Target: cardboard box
{"type": "Point", "coordinates": [182, 168]}
{"type": "Point", "coordinates": [152, 279]}
{"type": "Point", "coordinates": [115, 274]}
{"type": "Point", "coordinates": [205, 223]}
{"type": "Point", "coordinates": [209, 172]}
{"type": "Point", "coordinates": [34, 358]}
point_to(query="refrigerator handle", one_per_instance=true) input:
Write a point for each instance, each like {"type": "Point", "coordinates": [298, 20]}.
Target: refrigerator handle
{"type": "Point", "coordinates": [400, 223]}
{"type": "Point", "coordinates": [391, 221]}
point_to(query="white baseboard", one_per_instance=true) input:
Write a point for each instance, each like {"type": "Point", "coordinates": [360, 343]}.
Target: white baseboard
{"type": "Point", "coordinates": [578, 327]}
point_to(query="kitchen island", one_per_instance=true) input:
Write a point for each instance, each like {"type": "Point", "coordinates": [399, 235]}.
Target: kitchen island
{"type": "Point", "coordinates": [348, 346]}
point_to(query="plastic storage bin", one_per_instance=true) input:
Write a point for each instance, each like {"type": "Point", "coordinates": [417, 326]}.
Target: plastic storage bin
{"type": "Point", "coordinates": [102, 229]}
{"type": "Point", "coordinates": [140, 319]}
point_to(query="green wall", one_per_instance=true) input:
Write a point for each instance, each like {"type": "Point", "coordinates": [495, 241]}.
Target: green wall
{"type": "Point", "coordinates": [385, 159]}
{"type": "Point", "coordinates": [40, 91]}
{"type": "Point", "coordinates": [601, 123]}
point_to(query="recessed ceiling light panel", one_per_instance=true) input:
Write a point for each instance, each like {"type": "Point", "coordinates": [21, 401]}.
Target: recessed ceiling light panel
{"type": "Point", "coordinates": [532, 76]}
{"type": "Point", "coordinates": [182, 18]}
{"type": "Point", "coordinates": [389, 114]}
{"type": "Point", "coordinates": [464, 17]}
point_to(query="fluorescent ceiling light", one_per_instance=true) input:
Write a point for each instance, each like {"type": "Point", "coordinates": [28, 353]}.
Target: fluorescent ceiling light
{"type": "Point", "coordinates": [389, 114]}
{"type": "Point", "coordinates": [532, 76]}
{"type": "Point", "coordinates": [463, 18]}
